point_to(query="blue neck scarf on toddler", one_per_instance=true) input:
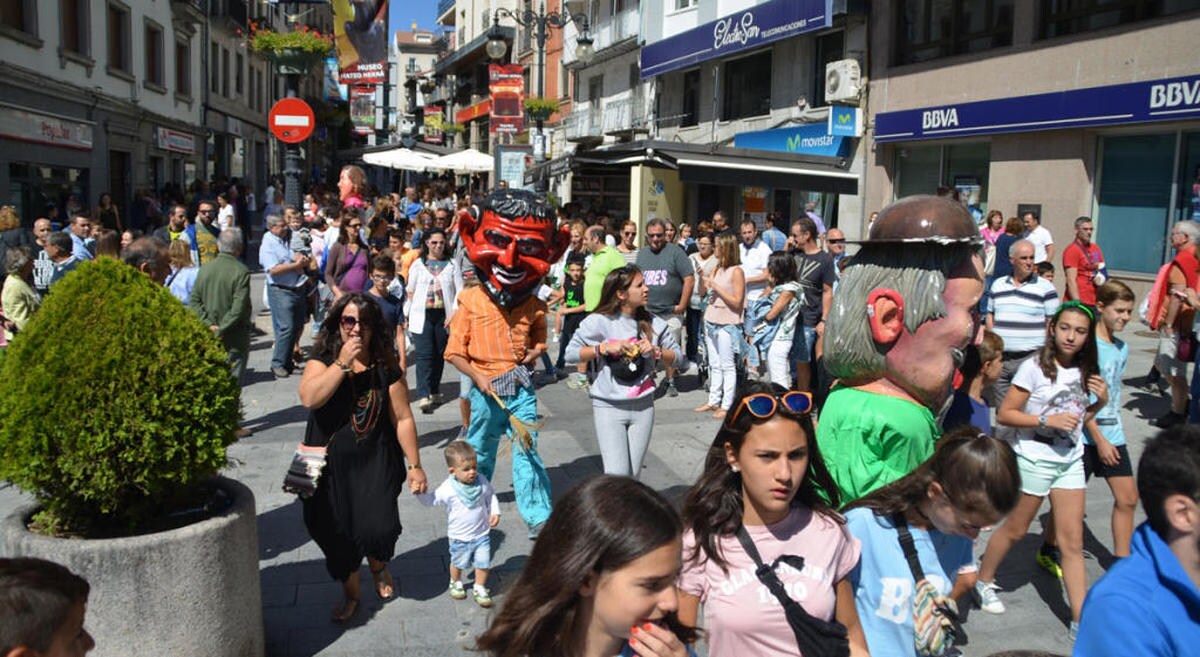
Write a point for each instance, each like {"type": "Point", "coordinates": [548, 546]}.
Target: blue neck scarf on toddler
{"type": "Point", "coordinates": [468, 494]}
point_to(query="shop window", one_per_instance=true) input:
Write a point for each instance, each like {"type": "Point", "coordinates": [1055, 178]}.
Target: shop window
{"type": "Point", "coordinates": [20, 15]}
{"type": "Point", "coordinates": [183, 68]}
{"type": "Point", "coordinates": [963, 167]}
{"type": "Point", "coordinates": [747, 87]}
{"type": "Point", "coordinates": [75, 32]}
{"type": "Point", "coordinates": [118, 39]}
{"type": "Point", "coordinates": [684, 4]}
{"type": "Point", "coordinates": [929, 29]}
{"type": "Point", "coordinates": [1063, 17]}
{"type": "Point", "coordinates": [225, 73]}
{"type": "Point", "coordinates": [691, 98]}
{"type": "Point", "coordinates": [154, 55]}
{"type": "Point", "coordinates": [1189, 183]}
{"type": "Point", "coordinates": [830, 48]}
{"type": "Point", "coordinates": [1134, 200]}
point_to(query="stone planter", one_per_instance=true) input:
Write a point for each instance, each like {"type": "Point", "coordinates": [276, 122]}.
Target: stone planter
{"type": "Point", "coordinates": [192, 591]}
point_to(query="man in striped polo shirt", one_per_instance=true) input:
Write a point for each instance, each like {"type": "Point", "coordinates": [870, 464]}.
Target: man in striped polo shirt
{"type": "Point", "coordinates": [1019, 307]}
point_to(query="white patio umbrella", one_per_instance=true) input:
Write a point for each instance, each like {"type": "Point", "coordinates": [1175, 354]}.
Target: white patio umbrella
{"type": "Point", "coordinates": [468, 161]}
{"type": "Point", "coordinates": [398, 158]}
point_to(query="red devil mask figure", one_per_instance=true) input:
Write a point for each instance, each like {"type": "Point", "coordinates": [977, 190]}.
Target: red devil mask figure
{"type": "Point", "coordinates": [513, 243]}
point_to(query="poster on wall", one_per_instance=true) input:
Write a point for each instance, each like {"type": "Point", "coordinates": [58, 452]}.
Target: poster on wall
{"type": "Point", "coordinates": [433, 124]}
{"type": "Point", "coordinates": [331, 89]}
{"type": "Point", "coordinates": [507, 86]}
{"type": "Point", "coordinates": [362, 109]}
{"type": "Point", "coordinates": [511, 160]}
{"type": "Point", "coordinates": [659, 194]}
{"type": "Point", "coordinates": [754, 205]}
{"type": "Point", "coordinates": [361, 35]}
{"type": "Point", "coordinates": [969, 192]}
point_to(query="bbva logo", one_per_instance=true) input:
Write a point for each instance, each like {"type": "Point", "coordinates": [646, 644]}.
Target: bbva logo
{"type": "Point", "coordinates": [939, 118]}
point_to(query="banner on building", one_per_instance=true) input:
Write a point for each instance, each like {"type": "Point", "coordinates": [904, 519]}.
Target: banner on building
{"type": "Point", "coordinates": [332, 90]}
{"type": "Point", "coordinates": [361, 34]}
{"type": "Point", "coordinates": [507, 85]}
{"type": "Point", "coordinates": [433, 124]}
{"type": "Point", "coordinates": [362, 109]}
{"type": "Point", "coordinates": [754, 205]}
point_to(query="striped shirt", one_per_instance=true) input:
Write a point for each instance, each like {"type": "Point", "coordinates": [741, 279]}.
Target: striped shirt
{"type": "Point", "coordinates": [493, 340]}
{"type": "Point", "coordinates": [1019, 312]}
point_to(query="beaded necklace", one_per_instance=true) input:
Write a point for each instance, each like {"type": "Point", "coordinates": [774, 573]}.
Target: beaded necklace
{"type": "Point", "coordinates": [365, 410]}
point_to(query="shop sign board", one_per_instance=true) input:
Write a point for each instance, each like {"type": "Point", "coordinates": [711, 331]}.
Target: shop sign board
{"type": "Point", "coordinates": [511, 162]}
{"type": "Point", "coordinates": [810, 139]}
{"type": "Point", "coordinates": [740, 31]}
{"type": "Point", "coordinates": [659, 194]}
{"type": "Point", "coordinates": [1170, 99]}
{"type": "Point", "coordinates": [361, 40]}
{"type": "Point", "coordinates": [507, 86]}
{"type": "Point", "coordinates": [754, 205]}
{"type": "Point", "coordinates": [482, 108]}
{"type": "Point", "coordinates": [362, 109]}
{"type": "Point", "coordinates": [27, 125]}
{"type": "Point", "coordinates": [433, 124]}
{"type": "Point", "coordinates": [845, 121]}
{"type": "Point", "coordinates": [175, 141]}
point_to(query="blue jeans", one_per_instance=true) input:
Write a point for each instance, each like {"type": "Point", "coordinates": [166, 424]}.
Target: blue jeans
{"type": "Point", "coordinates": [748, 348]}
{"type": "Point", "coordinates": [1194, 402]}
{"type": "Point", "coordinates": [489, 422]}
{"type": "Point", "coordinates": [429, 347]}
{"type": "Point", "coordinates": [288, 310]}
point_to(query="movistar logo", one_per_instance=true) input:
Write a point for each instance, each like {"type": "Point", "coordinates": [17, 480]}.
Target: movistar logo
{"type": "Point", "coordinates": [798, 142]}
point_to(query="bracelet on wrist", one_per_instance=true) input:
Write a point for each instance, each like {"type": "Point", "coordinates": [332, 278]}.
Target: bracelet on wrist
{"type": "Point", "coordinates": [415, 466]}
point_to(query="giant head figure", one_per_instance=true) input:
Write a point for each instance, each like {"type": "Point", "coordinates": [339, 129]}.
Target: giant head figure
{"type": "Point", "coordinates": [907, 307]}
{"type": "Point", "coordinates": [513, 243]}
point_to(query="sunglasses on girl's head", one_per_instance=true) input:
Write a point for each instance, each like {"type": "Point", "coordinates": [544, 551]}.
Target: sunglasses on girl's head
{"type": "Point", "coordinates": [763, 405]}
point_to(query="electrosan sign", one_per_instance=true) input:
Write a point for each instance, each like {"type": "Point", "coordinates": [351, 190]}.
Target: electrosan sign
{"type": "Point", "coordinates": [1135, 102]}
{"type": "Point", "coordinates": [754, 27]}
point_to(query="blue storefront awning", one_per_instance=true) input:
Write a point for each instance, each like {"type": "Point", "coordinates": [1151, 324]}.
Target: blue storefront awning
{"type": "Point", "coordinates": [1170, 99]}
{"type": "Point", "coordinates": [743, 30]}
{"type": "Point", "coordinates": [810, 139]}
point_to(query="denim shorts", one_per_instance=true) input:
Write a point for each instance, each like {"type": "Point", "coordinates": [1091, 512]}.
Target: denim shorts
{"type": "Point", "coordinates": [464, 554]}
{"type": "Point", "coordinates": [804, 341]}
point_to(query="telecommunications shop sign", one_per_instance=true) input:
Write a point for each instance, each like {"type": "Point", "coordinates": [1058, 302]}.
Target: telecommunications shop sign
{"type": "Point", "coordinates": [1170, 99]}
{"type": "Point", "coordinates": [744, 30]}
{"type": "Point", "coordinates": [811, 139]}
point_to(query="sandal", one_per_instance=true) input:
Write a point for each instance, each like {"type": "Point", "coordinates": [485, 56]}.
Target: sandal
{"type": "Point", "coordinates": [345, 611]}
{"type": "Point", "coordinates": [383, 583]}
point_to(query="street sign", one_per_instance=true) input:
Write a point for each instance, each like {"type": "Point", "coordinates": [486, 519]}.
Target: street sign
{"type": "Point", "coordinates": [291, 120]}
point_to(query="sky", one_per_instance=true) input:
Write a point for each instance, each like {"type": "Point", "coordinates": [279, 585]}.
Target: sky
{"type": "Point", "coordinates": [403, 13]}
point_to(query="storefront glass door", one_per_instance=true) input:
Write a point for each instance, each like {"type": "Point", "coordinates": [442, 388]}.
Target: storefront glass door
{"type": "Point", "coordinates": [1189, 183]}
{"type": "Point", "coordinates": [1134, 200]}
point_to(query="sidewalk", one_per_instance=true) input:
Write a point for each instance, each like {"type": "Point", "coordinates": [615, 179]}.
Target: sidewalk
{"type": "Point", "coordinates": [422, 620]}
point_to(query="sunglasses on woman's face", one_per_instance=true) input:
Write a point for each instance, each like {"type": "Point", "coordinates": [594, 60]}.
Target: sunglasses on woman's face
{"type": "Point", "coordinates": [349, 323]}
{"type": "Point", "coordinates": [763, 405]}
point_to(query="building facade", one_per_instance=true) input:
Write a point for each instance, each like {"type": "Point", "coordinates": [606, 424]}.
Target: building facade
{"type": "Point", "coordinates": [1089, 110]}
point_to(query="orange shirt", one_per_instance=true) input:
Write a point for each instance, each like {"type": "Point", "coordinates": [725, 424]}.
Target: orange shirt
{"type": "Point", "coordinates": [495, 341]}
{"type": "Point", "coordinates": [406, 260]}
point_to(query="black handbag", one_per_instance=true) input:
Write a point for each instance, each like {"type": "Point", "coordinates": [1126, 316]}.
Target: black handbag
{"type": "Point", "coordinates": [815, 637]}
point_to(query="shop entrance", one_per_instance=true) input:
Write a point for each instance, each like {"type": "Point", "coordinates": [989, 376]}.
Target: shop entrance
{"type": "Point", "coordinates": [34, 186]}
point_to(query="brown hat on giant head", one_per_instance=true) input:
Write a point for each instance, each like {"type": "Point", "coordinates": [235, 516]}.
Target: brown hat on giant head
{"type": "Point", "coordinates": [925, 219]}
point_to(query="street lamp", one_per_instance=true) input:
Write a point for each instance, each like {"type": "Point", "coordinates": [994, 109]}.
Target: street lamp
{"type": "Point", "coordinates": [541, 22]}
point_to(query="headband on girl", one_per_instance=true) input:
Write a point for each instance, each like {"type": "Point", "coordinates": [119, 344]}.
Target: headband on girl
{"type": "Point", "coordinates": [1078, 305]}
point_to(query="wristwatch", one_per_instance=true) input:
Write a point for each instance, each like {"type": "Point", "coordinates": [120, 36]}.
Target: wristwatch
{"type": "Point", "coordinates": [1042, 421]}
{"type": "Point", "coordinates": [345, 368]}
{"type": "Point", "coordinates": [415, 466]}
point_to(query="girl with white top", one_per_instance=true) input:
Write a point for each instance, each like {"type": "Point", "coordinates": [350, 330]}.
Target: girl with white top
{"type": "Point", "coordinates": [765, 485]}
{"type": "Point", "coordinates": [723, 325]}
{"type": "Point", "coordinates": [429, 307]}
{"type": "Point", "coordinates": [786, 297]}
{"type": "Point", "coordinates": [1048, 404]}
{"type": "Point", "coordinates": [622, 343]}
{"type": "Point", "coordinates": [705, 264]}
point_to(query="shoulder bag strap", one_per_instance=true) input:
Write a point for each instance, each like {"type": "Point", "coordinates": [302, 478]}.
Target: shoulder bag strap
{"type": "Point", "coordinates": [909, 547]}
{"type": "Point", "coordinates": [794, 611]}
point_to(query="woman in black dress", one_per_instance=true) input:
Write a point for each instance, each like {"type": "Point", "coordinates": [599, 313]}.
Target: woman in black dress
{"type": "Point", "coordinates": [358, 403]}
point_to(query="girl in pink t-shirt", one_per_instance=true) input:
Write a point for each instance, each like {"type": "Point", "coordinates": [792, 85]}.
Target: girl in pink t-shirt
{"type": "Point", "coordinates": [764, 472]}
{"type": "Point", "coordinates": [599, 580]}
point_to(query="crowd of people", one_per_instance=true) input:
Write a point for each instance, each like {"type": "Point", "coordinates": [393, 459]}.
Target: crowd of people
{"type": "Point", "coordinates": [869, 544]}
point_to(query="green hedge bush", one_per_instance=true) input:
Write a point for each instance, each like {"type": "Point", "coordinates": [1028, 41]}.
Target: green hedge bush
{"type": "Point", "coordinates": [116, 402]}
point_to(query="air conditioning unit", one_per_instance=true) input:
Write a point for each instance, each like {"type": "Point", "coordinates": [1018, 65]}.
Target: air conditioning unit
{"type": "Point", "coordinates": [843, 81]}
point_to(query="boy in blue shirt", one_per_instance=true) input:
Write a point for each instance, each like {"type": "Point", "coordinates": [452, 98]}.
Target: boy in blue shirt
{"type": "Point", "coordinates": [980, 369]}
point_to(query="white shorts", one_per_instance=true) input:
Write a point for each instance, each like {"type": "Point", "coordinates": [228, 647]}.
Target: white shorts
{"type": "Point", "coordinates": [1165, 358]}
{"type": "Point", "coordinates": [1038, 476]}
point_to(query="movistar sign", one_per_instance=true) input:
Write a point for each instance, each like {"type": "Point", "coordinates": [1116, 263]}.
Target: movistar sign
{"type": "Point", "coordinates": [809, 139]}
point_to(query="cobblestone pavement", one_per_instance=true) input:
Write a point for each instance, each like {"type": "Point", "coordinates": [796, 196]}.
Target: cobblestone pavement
{"type": "Point", "coordinates": [422, 620]}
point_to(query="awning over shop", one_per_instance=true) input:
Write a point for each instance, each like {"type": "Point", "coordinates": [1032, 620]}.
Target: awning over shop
{"type": "Point", "coordinates": [728, 166]}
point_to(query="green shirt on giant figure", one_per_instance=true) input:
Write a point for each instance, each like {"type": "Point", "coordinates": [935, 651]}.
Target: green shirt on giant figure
{"type": "Point", "coordinates": [905, 311]}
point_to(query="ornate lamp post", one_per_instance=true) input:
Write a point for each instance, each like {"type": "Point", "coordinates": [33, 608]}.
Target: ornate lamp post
{"type": "Point", "coordinates": [541, 22]}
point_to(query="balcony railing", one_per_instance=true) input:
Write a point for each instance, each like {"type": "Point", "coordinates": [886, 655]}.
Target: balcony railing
{"type": "Point", "coordinates": [583, 124]}
{"type": "Point", "coordinates": [607, 32]}
{"type": "Point", "coordinates": [444, 6]}
{"type": "Point", "coordinates": [624, 114]}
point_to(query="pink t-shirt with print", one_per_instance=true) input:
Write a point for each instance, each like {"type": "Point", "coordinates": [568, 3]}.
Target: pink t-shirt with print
{"type": "Point", "coordinates": [741, 616]}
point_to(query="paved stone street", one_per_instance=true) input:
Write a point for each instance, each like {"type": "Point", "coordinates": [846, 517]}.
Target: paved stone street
{"type": "Point", "coordinates": [423, 620]}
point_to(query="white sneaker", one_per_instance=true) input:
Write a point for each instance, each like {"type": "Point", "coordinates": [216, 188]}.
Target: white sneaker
{"type": "Point", "coordinates": [1073, 631]}
{"type": "Point", "coordinates": [988, 600]}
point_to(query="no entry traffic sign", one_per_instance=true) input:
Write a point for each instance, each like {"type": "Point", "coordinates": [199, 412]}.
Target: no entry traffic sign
{"type": "Point", "coordinates": [291, 120]}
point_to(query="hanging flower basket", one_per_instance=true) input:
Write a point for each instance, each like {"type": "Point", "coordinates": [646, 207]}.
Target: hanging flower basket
{"type": "Point", "coordinates": [294, 52]}
{"type": "Point", "coordinates": [452, 128]}
{"type": "Point", "coordinates": [540, 109]}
